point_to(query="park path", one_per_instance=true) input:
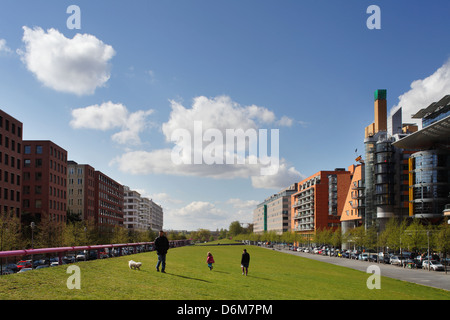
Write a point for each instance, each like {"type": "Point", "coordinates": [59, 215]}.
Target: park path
{"type": "Point", "coordinates": [436, 279]}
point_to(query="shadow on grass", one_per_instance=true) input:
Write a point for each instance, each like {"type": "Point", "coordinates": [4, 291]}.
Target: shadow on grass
{"type": "Point", "coordinates": [185, 277]}
{"type": "Point", "coordinates": [252, 276]}
{"type": "Point", "coordinates": [218, 271]}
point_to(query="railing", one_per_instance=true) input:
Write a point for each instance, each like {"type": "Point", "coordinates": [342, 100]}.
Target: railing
{"type": "Point", "coordinates": [99, 248]}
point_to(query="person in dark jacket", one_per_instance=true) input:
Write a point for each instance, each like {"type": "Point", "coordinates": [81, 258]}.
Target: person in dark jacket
{"type": "Point", "coordinates": [161, 247]}
{"type": "Point", "coordinates": [245, 261]}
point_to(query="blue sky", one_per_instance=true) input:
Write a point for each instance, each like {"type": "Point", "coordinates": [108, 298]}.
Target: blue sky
{"type": "Point", "coordinates": [112, 92]}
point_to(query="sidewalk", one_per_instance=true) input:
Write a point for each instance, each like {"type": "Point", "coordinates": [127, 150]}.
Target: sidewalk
{"type": "Point", "coordinates": [436, 279]}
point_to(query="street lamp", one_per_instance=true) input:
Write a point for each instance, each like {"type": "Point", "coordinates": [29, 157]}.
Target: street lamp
{"type": "Point", "coordinates": [32, 225]}
{"type": "Point", "coordinates": [429, 258]}
{"type": "Point", "coordinates": [1, 249]}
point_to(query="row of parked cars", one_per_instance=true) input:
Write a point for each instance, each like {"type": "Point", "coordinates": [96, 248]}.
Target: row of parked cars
{"type": "Point", "coordinates": [26, 265]}
{"type": "Point", "coordinates": [405, 259]}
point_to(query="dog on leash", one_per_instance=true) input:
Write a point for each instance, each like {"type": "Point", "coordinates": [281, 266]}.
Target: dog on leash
{"type": "Point", "coordinates": [134, 265]}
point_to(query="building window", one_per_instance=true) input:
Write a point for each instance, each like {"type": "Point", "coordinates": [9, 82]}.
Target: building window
{"type": "Point", "coordinates": [38, 149]}
{"type": "Point", "coordinates": [38, 163]}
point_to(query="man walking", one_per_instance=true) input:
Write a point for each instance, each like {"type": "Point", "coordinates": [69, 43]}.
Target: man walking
{"type": "Point", "coordinates": [161, 247]}
{"type": "Point", "coordinates": [245, 261]}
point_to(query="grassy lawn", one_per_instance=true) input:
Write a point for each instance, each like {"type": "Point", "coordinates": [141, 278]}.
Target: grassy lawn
{"type": "Point", "coordinates": [272, 276]}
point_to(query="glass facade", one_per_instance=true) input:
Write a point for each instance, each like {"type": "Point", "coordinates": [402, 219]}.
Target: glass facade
{"type": "Point", "coordinates": [369, 215]}
{"type": "Point", "coordinates": [430, 182]}
{"type": "Point", "coordinates": [384, 173]}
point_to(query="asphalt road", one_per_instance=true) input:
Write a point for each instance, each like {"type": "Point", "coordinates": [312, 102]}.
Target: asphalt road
{"type": "Point", "coordinates": [436, 279]}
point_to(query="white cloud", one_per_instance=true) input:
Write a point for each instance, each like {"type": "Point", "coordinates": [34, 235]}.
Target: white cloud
{"type": "Point", "coordinates": [220, 114]}
{"type": "Point", "coordinates": [160, 162]}
{"type": "Point", "coordinates": [164, 198]}
{"type": "Point", "coordinates": [285, 121]}
{"type": "Point", "coordinates": [424, 92]}
{"type": "Point", "coordinates": [78, 65]}
{"type": "Point", "coordinates": [111, 115]}
{"type": "Point", "coordinates": [196, 215]}
{"type": "Point", "coordinates": [285, 177]}
{"type": "Point", "coordinates": [4, 47]}
{"type": "Point", "coordinates": [206, 215]}
{"type": "Point", "coordinates": [242, 204]}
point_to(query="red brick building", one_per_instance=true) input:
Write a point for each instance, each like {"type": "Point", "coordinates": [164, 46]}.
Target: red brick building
{"type": "Point", "coordinates": [109, 198]}
{"type": "Point", "coordinates": [10, 164]}
{"type": "Point", "coordinates": [44, 181]}
{"type": "Point", "coordinates": [319, 201]}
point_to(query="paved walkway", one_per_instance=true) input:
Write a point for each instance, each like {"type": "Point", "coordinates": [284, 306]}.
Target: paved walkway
{"type": "Point", "coordinates": [436, 279]}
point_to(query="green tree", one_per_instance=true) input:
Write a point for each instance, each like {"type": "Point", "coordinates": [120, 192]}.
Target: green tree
{"type": "Point", "coordinates": [203, 235]}
{"type": "Point", "coordinates": [119, 235]}
{"type": "Point", "coordinates": [415, 236]}
{"type": "Point", "coordinates": [356, 237]}
{"type": "Point", "coordinates": [442, 239]}
{"type": "Point", "coordinates": [394, 232]}
{"type": "Point", "coordinates": [370, 238]}
{"type": "Point", "coordinates": [73, 234]}
{"type": "Point", "coordinates": [336, 238]}
{"type": "Point", "coordinates": [50, 233]}
{"type": "Point", "coordinates": [10, 233]}
{"type": "Point", "coordinates": [235, 228]}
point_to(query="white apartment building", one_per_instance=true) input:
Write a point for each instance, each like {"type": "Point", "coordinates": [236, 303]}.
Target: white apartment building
{"type": "Point", "coordinates": [141, 213]}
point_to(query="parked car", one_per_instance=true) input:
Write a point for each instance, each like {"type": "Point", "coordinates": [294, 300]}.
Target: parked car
{"type": "Point", "coordinates": [24, 270]}
{"type": "Point", "coordinates": [69, 259]}
{"type": "Point", "coordinates": [81, 256]}
{"type": "Point", "coordinates": [353, 255]}
{"type": "Point", "coordinates": [42, 266]}
{"type": "Point", "coordinates": [409, 263]}
{"type": "Point", "coordinates": [24, 264]}
{"type": "Point", "coordinates": [434, 265]}
{"type": "Point", "coordinates": [6, 271]}
{"type": "Point", "coordinates": [373, 257]}
{"type": "Point", "coordinates": [397, 260]}
{"type": "Point", "coordinates": [10, 266]}
{"type": "Point", "coordinates": [363, 257]}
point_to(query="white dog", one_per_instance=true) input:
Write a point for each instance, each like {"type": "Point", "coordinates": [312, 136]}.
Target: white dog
{"type": "Point", "coordinates": [134, 265]}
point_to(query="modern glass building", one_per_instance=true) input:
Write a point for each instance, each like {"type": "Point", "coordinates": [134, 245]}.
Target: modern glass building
{"type": "Point", "coordinates": [429, 165]}
{"type": "Point", "coordinates": [430, 180]}
{"type": "Point", "coordinates": [386, 167]}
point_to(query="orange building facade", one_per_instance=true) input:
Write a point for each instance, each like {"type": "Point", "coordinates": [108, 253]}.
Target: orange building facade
{"type": "Point", "coordinates": [319, 202]}
{"type": "Point", "coordinates": [353, 209]}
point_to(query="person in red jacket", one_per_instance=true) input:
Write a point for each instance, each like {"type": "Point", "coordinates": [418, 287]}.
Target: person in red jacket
{"type": "Point", "coordinates": [210, 260]}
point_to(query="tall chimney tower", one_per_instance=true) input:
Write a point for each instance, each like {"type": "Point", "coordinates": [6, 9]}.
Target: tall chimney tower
{"type": "Point", "coordinates": [380, 111]}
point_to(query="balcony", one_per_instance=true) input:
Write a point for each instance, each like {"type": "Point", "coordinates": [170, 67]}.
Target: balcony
{"type": "Point", "coordinates": [358, 196]}
{"type": "Point", "coordinates": [305, 214]}
{"type": "Point", "coordinates": [446, 211]}
{"type": "Point", "coordinates": [359, 204]}
{"type": "Point", "coordinates": [358, 185]}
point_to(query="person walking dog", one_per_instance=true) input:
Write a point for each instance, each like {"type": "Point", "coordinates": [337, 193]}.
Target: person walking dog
{"type": "Point", "coordinates": [161, 247]}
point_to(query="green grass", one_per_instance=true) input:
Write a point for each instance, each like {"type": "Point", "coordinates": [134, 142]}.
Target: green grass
{"type": "Point", "coordinates": [272, 276]}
